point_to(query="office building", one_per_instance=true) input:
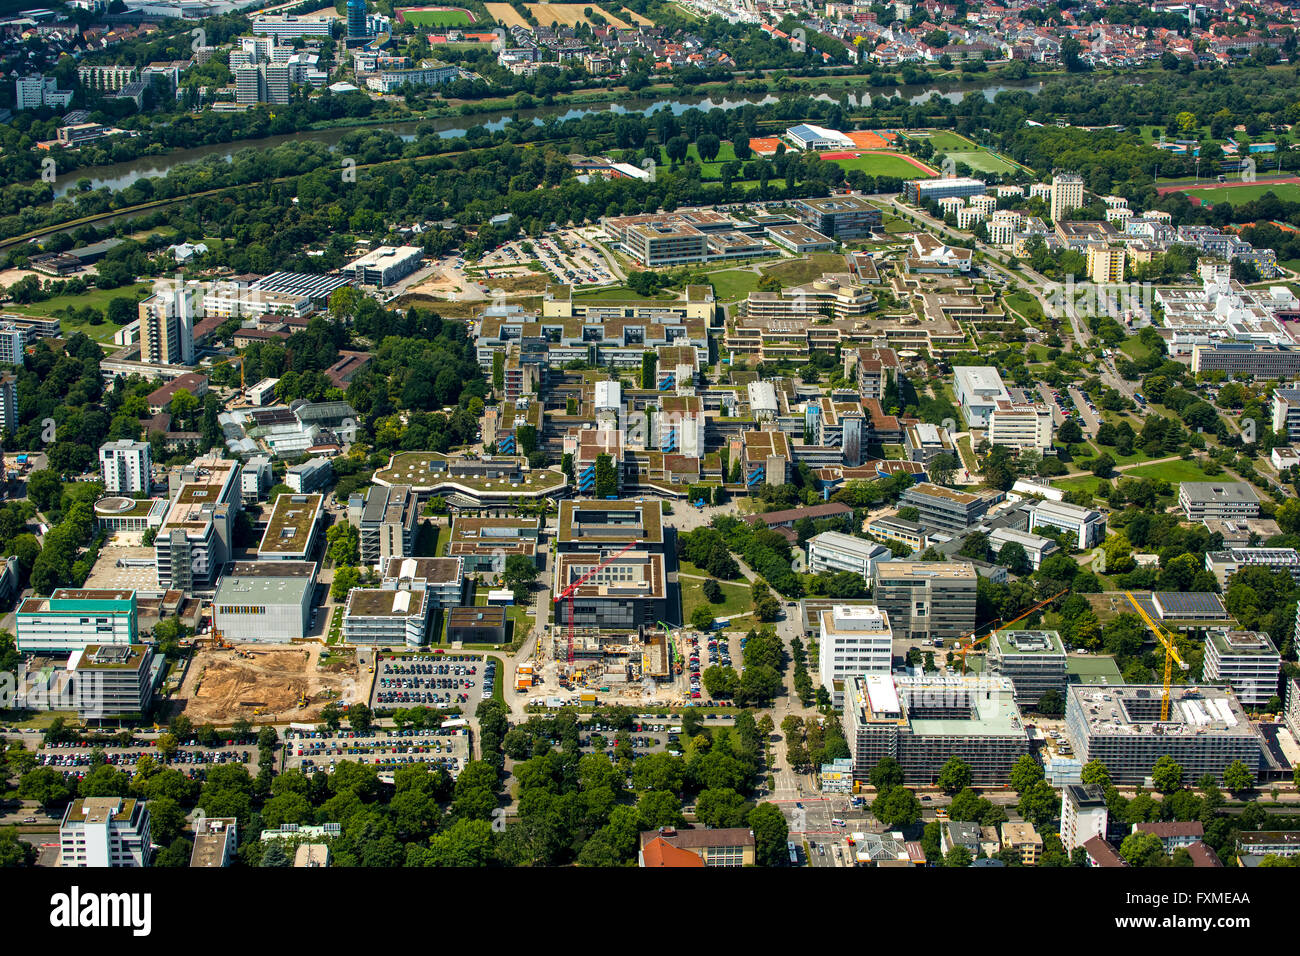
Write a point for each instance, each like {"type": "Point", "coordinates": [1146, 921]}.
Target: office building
{"type": "Point", "coordinates": [927, 600]}
{"type": "Point", "coordinates": [832, 552]}
{"type": "Point", "coordinates": [476, 625]}
{"type": "Point", "coordinates": [1087, 527]}
{"type": "Point", "coordinates": [265, 601]}
{"type": "Point", "coordinates": [1246, 661]}
{"type": "Point", "coordinates": [978, 388]}
{"type": "Point", "coordinates": [127, 467]}
{"type": "Point", "coordinates": [196, 537]}
{"type": "Point", "coordinates": [356, 19]}
{"type": "Point", "coordinates": [631, 591]}
{"type": "Point", "coordinates": [8, 401]}
{"type": "Point", "coordinates": [1251, 359]}
{"type": "Point", "coordinates": [1036, 546]}
{"type": "Point", "coordinates": [34, 92]}
{"type": "Point", "coordinates": [309, 475]}
{"type": "Point", "coordinates": [104, 832]}
{"type": "Point", "coordinates": [428, 73]}
{"type": "Point", "coordinates": [1034, 662]}
{"type": "Point", "coordinates": [843, 217]}
{"type": "Point", "coordinates": [255, 479]}
{"type": "Point", "coordinates": [485, 544]}
{"type": "Point", "coordinates": [1120, 725]}
{"type": "Point", "coordinates": [13, 344]}
{"type": "Point", "coordinates": [70, 619]}
{"type": "Point", "coordinates": [292, 529]}
{"type": "Point", "coordinates": [924, 190]}
{"type": "Point", "coordinates": [1083, 815]}
{"type": "Point", "coordinates": [1217, 499]}
{"type": "Point", "coordinates": [1067, 194]}
{"type": "Point", "coordinates": [114, 681]}
{"type": "Point", "coordinates": [383, 266]}
{"type": "Point", "coordinates": [216, 842]}
{"type": "Point", "coordinates": [922, 722]}
{"type": "Point", "coordinates": [388, 524]}
{"type": "Point", "coordinates": [1286, 413]}
{"type": "Point", "coordinates": [594, 525]}
{"type": "Point", "coordinates": [1224, 564]}
{"type": "Point", "coordinates": [167, 328]}
{"type": "Point", "coordinates": [1021, 426]}
{"type": "Point", "coordinates": [854, 640]}
{"type": "Point", "coordinates": [945, 509]}
{"type": "Point", "coordinates": [387, 616]}
{"type": "Point", "coordinates": [291, 27]}
{"type": "Point", "coordinates": [442, 578]}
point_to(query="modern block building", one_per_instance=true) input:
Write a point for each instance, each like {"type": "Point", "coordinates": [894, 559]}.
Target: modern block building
{"type": "Point", "coordinates": [484, 544]}
{"type": "Point", "coordinates": [72, 619]}
{"type": "Point", "coordinates": [1021, 426]}
{"type": "Point", "coordinates": [1286, 412]}
{"type": "Point", "coordinates": [1224, 564]}
{"type": "Point", "coordinates": [264, 601]}
{"type": "Point", "coordinates": [1086, 525]}
{"type": "Point", "coordinates": [1247, 661]}
{"type": "Point", "coordinates": [388, 524]}
{"type": "Point", "coordinates": [629, 592]}
{"type": "Point", "coordinates": [979, 388]}
{"type": "Point", "coordinates": [387, 616]}
{"type": "Point", "coordinates": [923, 190]}
{"type": "Point", "coordinates": [843, 217]}
{"type": "Point", "coordinates": [593, 525]}
{"type": "Point", "coordinates": [1037, 547]}
{"type": "Point", "coordinates": [383, 266]}
{"type": "Point", "coordinates": [196, 537]}
{"type": "Point", "coordinates": [8, 401]}
{"type": "Point", "coordinates": [854, 640]}
{"type": "Point", "coordinates": [443, 579]}
{"type": "Point", "coordinates": [1034, 661]}
{"type": "Point", "coordinates": [1067, 194]}
{"type": "Point", "coordinates": [832, 552]}
{"type": "Point", "coordinates": [293, 529]}
{"type": "Point", "coordinates": [945, 509]}
{"type": "Point", "coordinates": [922, 722]}
{"type": "Point", "coordinates": [127, 467]}
{"type": "Point", "coordinates": [1217, 499]}
{"type": "Point", "coordinates": [927, 599]}
{"type": "Point", "coordinates": [104, 832]}
{"type": "Point", "coordinates": [167, 328]}
{"type": "Point", "coordinates": [114, 680]}
{"type": "Point", "coordinates": [1120, 725]}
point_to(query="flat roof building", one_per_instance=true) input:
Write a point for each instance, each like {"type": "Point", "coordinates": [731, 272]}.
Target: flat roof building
{"type": "Point", "coordinates": [264, 601]}
{"type": "Point", "coordinates": [388, 524]}
{"type": "Point", "coordinates": [485, 544]}
{"type": "Point", "coordinates": [853, 640]}
{"type": "Point", "coordinates": [1033, 660]}
{"type": "Point", "coordinates": [1247, 661]}
{"type": "Point", "coordinates": [927, 599]}
{"type": "Point", "coordinates": [71, 619]}
{"type": "Point", "coordinates": [629, 592]}
{"type": "Point", "coordinates": [1224, 564]}
{"type": "Point", "coordinates": [978, 388]}
{"type": "Point", "coordinates": [594, 525]}
{"type": "Point", "coordinates": [293, 528]}
{"type": "Point", "coordinates": [1086, 525]}
{"type": "Point", "coordinates": [1084, 815]}
{"type": "Point", "coordinates": [1120, 725]}
{"type": "Point", "coordinates": [104, 832]}
{"type": "Point", "coordinates": [196, 537]}
{"type": "Point", "coordinates": [387, 616]}
{"type": "Point", "coordinates": [127, 467]}
{"type": "Point", "coordinates": [832, 552]}
{"type": "Point", "coordinates": [1217, 499]}
{"type": "Point", "coordinates": [442, 578]}
{"type": "Point", "coordinates": [922, 722]}
{"type": "Point", "coordinates": [114, 680]}
{"type": "Point", "coordinates": [945, 509]}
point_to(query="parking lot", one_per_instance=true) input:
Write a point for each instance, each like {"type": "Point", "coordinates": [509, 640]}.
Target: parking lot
{"type": "Point", "coordinates": [643, 739]}
{"type": "Point", "coordinates": [566, 256]}
{"type": "Point", "coordinates": [73, 759]}
{"type": "Point", "coordinates": [321, 750]}
{"type": "Point", "coordinates": [703, 651]}
{"type": "Point", "coordinates": [433, 680]}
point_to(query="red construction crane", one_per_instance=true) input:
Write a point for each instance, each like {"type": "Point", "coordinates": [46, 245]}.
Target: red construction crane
{"type": "Point", "coordinates": [567, 593]}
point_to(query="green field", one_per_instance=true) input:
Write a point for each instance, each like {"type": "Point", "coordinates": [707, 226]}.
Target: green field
{"type": "Point", "coordinates": [736, 598]}
{"type": "Point", "coordinates": [92, 299]}
{"type": "Point", "coordinates": [734, 284]}
{"type": "Point", "coordinates": [1171, 471]}
{"type": "Point", "coordinates": [883, 164]}
{"type": "Point", "coordinates": [983, 161]}
{"type": "Point", "coordinates": [944, 141]}
{"type": "Point", "coordinates": [799, 271]}
{"type": "Point", "coordinates": [709, 170]}
{"type": "Point", "coordinates": [1236, 195]}
{"type": "Point", "coordinates": [436, 18]}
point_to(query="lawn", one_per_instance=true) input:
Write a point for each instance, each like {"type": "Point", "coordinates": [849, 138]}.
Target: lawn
{"type": "Point", "coordinates": [944, 141]}
{"type": "Point", "coordinates": [436, 18]}
{"type": "Point", "coordinates": [733, 284]}
{"type": "Point", "coordinates": [1024, 305]}
{"type": "Point", "coordinates": [710, 170]}
{"type": "Point", "coordinates": [90, 299]}
{"type": "Point", "coordinates": [799, 271]}
{"type": "Point", "coordinates": [1134, 348]}
{"type": "Point", "coordinates": [893, 226]}
{"type": "Point", "coordinates": [1171, 471]}
{"type": "Point", "coordinates": [882, 164]}
{"type": "Point", "coordinates": [1088, 482]}
{"type": "Point", "coordinates": [737, 598]}
{"type": "Point", "coordinates": [618, 292]}
{"type": "Point", "coordinates": [983, 161]}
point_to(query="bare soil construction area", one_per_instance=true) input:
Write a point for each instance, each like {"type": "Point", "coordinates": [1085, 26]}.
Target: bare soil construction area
{"type": "Point", "coordinates": [224, 684]}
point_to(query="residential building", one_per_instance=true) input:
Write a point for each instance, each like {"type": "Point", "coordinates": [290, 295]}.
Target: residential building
{"type": "Point", "coordinates": [36, 91]}
{"type": "Point", "coordinates": [1106, 264]}
{"type": "Point", "coordinates": [1022, 838]}
{"type": "Point", "coordinates": [71, 619]}
{"type": "Point", "coordinates": [1067, 194]}
{"type": "Point", "coordinates": [1034, 661]}
{"type": "Point", "coordinates": [104, 832]}
{"type": "Point", "coordinates": [291, 27]}
{"type": "Point", "coordinates": [927, 600]}
{"type": "Point", "coordinates": [265, 601]}
{"type": "Point", "coordinates": [832, 552]}
{"type": "Point", "coordinates": [1217, 499]}
{"type": "Point", "coordinates": [127, 467]}
{"type": "Point", "coordinates": [1120, 725]}
{"type": "Point", "coordinates": [924, 190]}
{"type": "Point", "coordinates": [853, 640]}
{"type": "Point", "coordinates": [1083, 815]}
{"type": "Point", "coordinates": [922, 722]}
{"type": "Point", "coordinates": [8, 401]}
{"type": "Point", "coordinates": [1247, 661]}
{"type": "Point", "coordinates": [1173, 834]}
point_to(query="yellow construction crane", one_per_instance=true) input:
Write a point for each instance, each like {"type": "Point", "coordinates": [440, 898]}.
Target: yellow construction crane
{"type": "Point", "coordinates": [1171, 652]}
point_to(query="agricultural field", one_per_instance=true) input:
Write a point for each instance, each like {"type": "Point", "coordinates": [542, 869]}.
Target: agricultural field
{"type": "Point", "coordinates": [568, 14]}
{"type": "Point", "coordinates": [506, 14]}
{"type": "Point", "coordinates": [436, 16]}
{"type": "Point", "coordinates": [636, 19]}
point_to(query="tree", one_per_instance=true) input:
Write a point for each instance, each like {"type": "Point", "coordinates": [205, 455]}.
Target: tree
{"type": "Point", "coordinates": [721, 681]}
{"type": "Point", "coordinates": [1014, 558]}
{"type": "Point", "coordinates": [1095, 773]}
{"type": "Point", "coordinates": [1142, 849]}
{"type": "Point", "coordinates": [1039, 804]}
{"type": "Point", "coordinates": [721, 808]}
{"type": "Point", "coordinates": [702, 618]}
{"type": "Point", "coordinates": [360, 718]}
{"type": "Point", "coordinates": [955, 776]}
{"type": "Point", "coordinates": [712, 591]}
{"type": "Point", "coordinates": [771, 834]}
{"type": "Point", "coordinates": [1238, 778]}
{"type": "Point", "coordinates": [345, 579]}
{"type": "Point", "coordinates": [886, 774]}
{"type": "Point", "coordinates": [1025, 773]}
{"type": "Point", "coordinates": [897, 807]}
{"type": "Point", "coordinates": [1167, 775]}
{"type": "Point", "coordinates": [959, 855]}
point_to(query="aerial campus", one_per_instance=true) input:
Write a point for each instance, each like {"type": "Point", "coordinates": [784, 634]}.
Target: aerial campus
{"type": "Point", "coordinates": [711, 433]}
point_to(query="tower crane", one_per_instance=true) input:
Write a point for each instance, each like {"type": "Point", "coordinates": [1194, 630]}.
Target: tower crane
{"type": "Point", "coordinates": [568, 592]}
{"type": "Point", "coordinates": [1171, 652]}
{"type": "Point", "coordinates": [973, 641]}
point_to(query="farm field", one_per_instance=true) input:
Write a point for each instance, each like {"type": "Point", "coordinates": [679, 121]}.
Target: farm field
{"type": "Point", "coordinates": [507, 15]}
{"type": "Point", "coordinates": [436, 16]}
{"type": "Point", "coordinates": [567, 14]}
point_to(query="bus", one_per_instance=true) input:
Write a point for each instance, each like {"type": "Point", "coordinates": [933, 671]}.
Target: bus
{"type": "Point", "coordinates": [794, 853]}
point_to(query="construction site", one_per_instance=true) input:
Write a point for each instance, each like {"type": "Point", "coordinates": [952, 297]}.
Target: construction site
{"type": "Point", "coordinates": [272, 683]}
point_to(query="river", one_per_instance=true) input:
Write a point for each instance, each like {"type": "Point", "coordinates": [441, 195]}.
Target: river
{"type": "Point", "coordinates": [120, 175]}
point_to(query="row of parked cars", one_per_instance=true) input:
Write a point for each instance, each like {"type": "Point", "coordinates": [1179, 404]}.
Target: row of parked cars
{"type": "Point", "coordinates": [432, 697]}
{"type": "Point", "coordinates": [429, 670]}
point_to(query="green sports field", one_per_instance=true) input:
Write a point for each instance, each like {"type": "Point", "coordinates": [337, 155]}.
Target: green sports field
{"type": "Point", "coordinates": [1236, 195]}
{"type": "Point", "coordinates": [944, 141]}
{"type": "Point", "coordinates": [882, 164]}
{"type": "Point", "coordinates": [437, 18]}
